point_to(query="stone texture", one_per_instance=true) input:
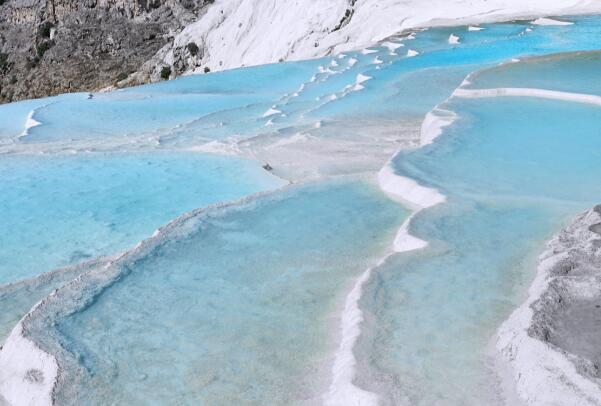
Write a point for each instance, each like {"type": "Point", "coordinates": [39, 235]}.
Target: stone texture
{"type": "Point", "coordinates": [568, 314]}
{"type": "Point", "coordinates": [55, 46]}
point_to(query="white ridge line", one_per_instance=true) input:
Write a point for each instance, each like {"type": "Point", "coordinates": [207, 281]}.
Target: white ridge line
{"type": "Point", "coordinates": [528, 92]}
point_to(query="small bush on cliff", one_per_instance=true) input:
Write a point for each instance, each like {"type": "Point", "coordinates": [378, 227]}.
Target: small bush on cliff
{"type": "Point", "coordinates": [45, 28]}
{"type": "Point", "coordinates": [3, 61]}
{"type": "Point", "coordinates": [42, 48]}
{"type": "Point", "coordinates": [192, 48]}
{"type": "Point", "coordinates": [165, 72]}
{"type": "Point", "coordinates": [121, 76]}
{"type": "Point", "coordinates": [207, 69]}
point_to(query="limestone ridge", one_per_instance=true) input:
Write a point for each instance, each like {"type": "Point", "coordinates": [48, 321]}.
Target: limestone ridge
{"type": "Point", "coordinates": [56, 46]}
{"type": "Point", "coordinates": [568, 314]}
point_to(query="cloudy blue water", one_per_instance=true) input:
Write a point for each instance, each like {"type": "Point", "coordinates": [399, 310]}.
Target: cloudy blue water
{"type": "Point", "coordinates": [514, 170]}
{"type": "Point", "coordinates": [238, 310]}
{"type": "Point", "coordinates": [70, 208]}
{"type": "Point", "coordinates": [240, 304]}
{"type": "Point", "coordinates": [570, 72]}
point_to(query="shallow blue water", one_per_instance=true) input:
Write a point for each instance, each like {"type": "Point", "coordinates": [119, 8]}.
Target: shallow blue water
{"type": "Point", "coordinates": [199, 109]}
{"type": "Point", "coordinates": [514, 169]}
{"type": "Point", "coordinates": [59, 210]}
{"type": "Point", "coordinates": [565, 72]}
{"type": "Point", "coordinates": [241, 305]}
{"type": "Point", "coordinates": [13, 117]}
{"type": "Point", "coordinates": [237, 310]}
{"type": "Point", "coordinates": [152, 108]}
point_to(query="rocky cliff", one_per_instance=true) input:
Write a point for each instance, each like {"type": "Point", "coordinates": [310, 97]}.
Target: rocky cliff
{"type": "Point", "coordinates": [56, 46]}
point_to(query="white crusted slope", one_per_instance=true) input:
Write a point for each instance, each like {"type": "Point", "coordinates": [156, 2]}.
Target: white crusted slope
{"type": "Point", "coordinates": [236, 33]}
{"type": "Point", "coordinates": [28, 376]}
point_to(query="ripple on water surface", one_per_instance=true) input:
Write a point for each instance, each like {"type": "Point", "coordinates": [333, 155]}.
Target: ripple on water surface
{"type": "Point", "coordinates": [238, 310]}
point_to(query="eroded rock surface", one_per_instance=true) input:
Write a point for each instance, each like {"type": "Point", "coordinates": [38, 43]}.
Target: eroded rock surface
{"type": "Point", "coordinates": [568, 314]}
{"type": "Point", "coordinates": [55, 46]}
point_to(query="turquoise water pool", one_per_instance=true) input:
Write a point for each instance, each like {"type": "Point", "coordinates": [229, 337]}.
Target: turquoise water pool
{"type": "Point", "coordinates": [237, 310]}
{"type": "Point", "coordinates": [514, 170]}
{"type": "Point", "coordinates": [240, 303]}
{"type": "Point", "coordinates": [67, 209]}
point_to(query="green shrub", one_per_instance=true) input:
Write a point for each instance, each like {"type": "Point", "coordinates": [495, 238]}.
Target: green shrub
{"type": "Point", "coordinates": [44, 29]}
{"type": "Point", "coordinates": [121, 76]}
{"type": "Point", "coordinates": [192, 48]}
{"type": "Point", "coordinates": [3, 61]}
{"type": "Point", "coordinates": [42, 48]}
{"type": "Point", "coordinates": [165, 72]}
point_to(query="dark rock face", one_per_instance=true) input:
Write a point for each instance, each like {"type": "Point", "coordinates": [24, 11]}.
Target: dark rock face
{"type": "Point", "coordinates": [55, 46]}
